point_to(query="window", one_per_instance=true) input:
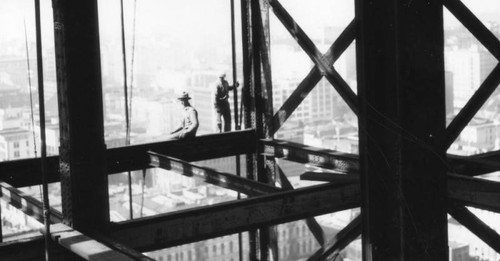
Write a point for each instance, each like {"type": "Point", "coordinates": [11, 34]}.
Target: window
{"type": "Point", "coordinates": [16, 144]}
{"type": "Point", "coordinates": [17, 154]}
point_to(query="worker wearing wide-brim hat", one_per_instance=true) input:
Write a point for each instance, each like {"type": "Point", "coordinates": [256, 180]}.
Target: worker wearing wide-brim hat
{"type": "Point", "coordinates": [189, 122]}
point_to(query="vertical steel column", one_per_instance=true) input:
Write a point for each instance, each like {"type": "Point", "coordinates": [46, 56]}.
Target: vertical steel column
{"type": "Point", "coordinates": [248, 102]}
{"type": "Point", "coordinates": [265, 166]}
{"type": "Point", "coordinates": [84, 182]}
{"type": "Point", "coordinates": [402, 121]}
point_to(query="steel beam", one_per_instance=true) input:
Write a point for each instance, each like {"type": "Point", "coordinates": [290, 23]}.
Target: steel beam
{"type": "Point", "coordinates": [27, 204]}
{"type": "Point", "coordinates": [312, 51]}
{"type": "Point", "coordinates": [330, 177]}
{"type": "Point", "coordinates": [204, 147]}
{"type": "Point", "coordinates": [473, 106]}
{"type": "Point", "coordinates": [151, 233]}
{"type": "Point", "coordinates": [343, 238]}
{"type": "Point", "coordinates": [474, 165]}
{"type": "Point", "coordinates": [84, 183]}
{"type": "Point", "coordinates": [22, 173]}
{"type": "Point", "coordinates": [323, 158]}
{"type": "Point", "coordinates": [84, 246]}
{"type": "Point", "coordinates": [311, 222]}
{"type": "Point", "coordinates": [400, 70]}
{"type": "Point", "coordinates": [475, 192]}
{"type": "Point", "coordinates": [26, 249]}
{"type": "Point", "coordinates": [305, 87]}
{"type": "Point", "coordinates": [475, 225]}
{"type": "Point", "coordinates": [224, 180]}
{"type": "Point", "coordinates": [474, 25]}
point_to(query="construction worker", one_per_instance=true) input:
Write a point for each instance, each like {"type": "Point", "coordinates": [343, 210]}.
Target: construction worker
{"type": "Point", "coordinates": [189, 122]}
{"type": "Point", "coordinates": [221, 103]}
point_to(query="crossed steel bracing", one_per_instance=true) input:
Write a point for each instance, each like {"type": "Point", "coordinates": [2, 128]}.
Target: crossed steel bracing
{"type": "Point", "coordinates": [280, 204]}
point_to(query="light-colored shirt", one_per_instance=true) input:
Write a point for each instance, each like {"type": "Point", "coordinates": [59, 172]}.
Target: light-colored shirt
{"type": "Point", "coordinates": [189, 120]}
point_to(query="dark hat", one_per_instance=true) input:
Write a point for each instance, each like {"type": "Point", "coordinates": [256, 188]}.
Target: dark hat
{"type": "Point", "coordinates": [184, 96]}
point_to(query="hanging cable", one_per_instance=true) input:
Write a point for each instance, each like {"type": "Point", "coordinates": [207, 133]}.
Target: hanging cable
{"type": "Point", "coordinates": [46, 206]}
{"type": "Point", "coordinates": [127, 119]}
{"type": "Point", "coordinates": [132, 61]}
{"type": "Point", "coordinates": [31, 100]}
{"type": "Point", "coordinates": [134, 22]}
{"type": "Point", "coordinates": [30, 91]}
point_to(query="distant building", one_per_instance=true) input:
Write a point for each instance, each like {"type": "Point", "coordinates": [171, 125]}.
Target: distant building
{"type": "Point", "coordinates": [464, 63]}
{"type": "Point", "coordinates": [15, 144]}
{"type": "Point", "coordinates": [458, 251]}
{"type": "Point", "coordinates": [479, 136]}
{"type": "Point", "coordinates": [200, 85]}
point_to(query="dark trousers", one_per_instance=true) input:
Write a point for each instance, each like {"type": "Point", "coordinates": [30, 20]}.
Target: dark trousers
{"type": "Point", "coordinates": [223, 113]}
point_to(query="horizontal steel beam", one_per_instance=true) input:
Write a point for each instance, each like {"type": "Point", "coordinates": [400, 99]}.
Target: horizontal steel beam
{"type": "Point", "coordinates": [151, 233]}
{"type": "Point", "coordinates": [27, 204]}
{"type": "Point", "coordinates": [349, 163]}
{"type": "Point", "coordinates": [323, 158]}
{"type": "Point", "coordinates": [225, 180]}
{"type": "Point", "coordinates": [475, 165]}
{"type": "Point", "coordinates": [22, 173]}
{"type": "Point", "coordinates": [475, 192]}
{"type": "Point", "coordinates": [329, 177]}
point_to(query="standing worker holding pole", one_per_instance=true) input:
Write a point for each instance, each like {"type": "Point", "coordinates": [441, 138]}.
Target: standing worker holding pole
{"type": "Point", "coordinates": [221, 103]}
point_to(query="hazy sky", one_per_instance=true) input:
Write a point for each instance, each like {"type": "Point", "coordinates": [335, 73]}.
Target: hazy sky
{"type": "Point", "coordinates": [192, 18]}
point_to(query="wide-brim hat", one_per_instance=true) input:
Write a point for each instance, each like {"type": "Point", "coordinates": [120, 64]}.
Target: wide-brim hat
{"type": "Point", "coordinates": [183, 96]}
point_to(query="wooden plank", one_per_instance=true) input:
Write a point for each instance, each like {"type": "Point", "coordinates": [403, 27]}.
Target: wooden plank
{"type": "Point", "coordinates": [312, 51]}
{"type": "Point", "coordinates": [343, 238]}
{"type": "Point", "coordinates": [475, 192]}
{"type": "Point", "coordinates": [27, 204]}
{"type": "Point", "coordinates": [313, 77]}
{"type": "Point", "coordinates": [472, 107]}
{"type": "Point", "coordinates": [201, 223]}
{"type": "Point", "coordinates": [22, 173]}
{"type": "Point", "coordinates": [323, 158]}
{"type": "Point", "coordinates": [221, 179]}
{"type": "Point", "coordinates": [475, 225]}
{"type": "Point", "coordinates": [84, 246]}
{"type": "Point", "coordinates": [474, 25]}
